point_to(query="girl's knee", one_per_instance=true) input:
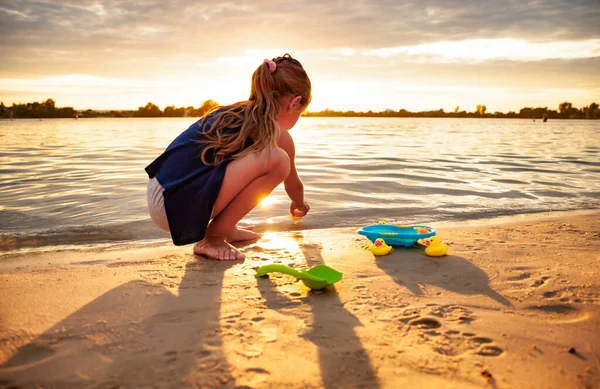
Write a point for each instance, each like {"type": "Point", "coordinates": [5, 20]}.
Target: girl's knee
{"type": "Point", "coordinates": [279, 162]}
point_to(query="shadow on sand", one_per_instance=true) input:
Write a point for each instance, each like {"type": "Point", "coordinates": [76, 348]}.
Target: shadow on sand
{"type": "Point", "coordinates": [344, 363]}
{"type": "Point", "coordinates": [411, 268]}
{"type": "Point", "coordinates": [138, 334]}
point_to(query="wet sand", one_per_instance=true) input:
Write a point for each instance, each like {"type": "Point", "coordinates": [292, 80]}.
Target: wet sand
{"type": "Point", "coordinates": [515, 304]}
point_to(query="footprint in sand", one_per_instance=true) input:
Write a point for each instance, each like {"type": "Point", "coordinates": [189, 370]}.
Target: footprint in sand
{"type": "Point", "coordinates": [525, 273]}
{"type": "Point", "coordinates": [455, 313]}
{"type": "Point", "coordinates": [554, 308]}
{"type": "Point", "coordinates": [480, 340]}
{"type": "Point", "coordinates": [452, 313]}
{"type": "Point", "coordinates": [409, 315]}
{"type": "Point", "coordinates": [563, 296]}
{"type": "Point", "coordinates": [490, 351]}
{"type": "Point", "coordinates": [433, 317]}
{"type": "Point", "coordinates": [425, 323]}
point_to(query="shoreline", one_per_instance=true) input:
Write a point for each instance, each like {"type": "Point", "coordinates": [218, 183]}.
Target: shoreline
{"type": "Point", "coordinates": [520, 218]}
{"type": "Point", "coordinates": [7, 255]}
{"type": "Point", "coordinates": [503, 309]}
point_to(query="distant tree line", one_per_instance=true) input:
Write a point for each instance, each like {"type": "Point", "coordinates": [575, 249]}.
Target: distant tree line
{"type": "Point", "coordinates": [565, 111]}
{"type": "Point", "coordinates": [151, 110]}
{"type": "Point", "coordinates": [47, 109]}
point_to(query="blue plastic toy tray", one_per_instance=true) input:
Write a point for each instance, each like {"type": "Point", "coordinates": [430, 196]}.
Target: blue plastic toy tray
{"type": "Point", "coordinates": [397, 235]}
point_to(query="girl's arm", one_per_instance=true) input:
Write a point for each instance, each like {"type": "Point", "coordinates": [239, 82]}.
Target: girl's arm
{"type": "Point", "coordinates": [293, 184]}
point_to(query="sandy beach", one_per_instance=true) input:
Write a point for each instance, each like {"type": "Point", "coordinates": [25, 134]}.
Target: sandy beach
{"type": "Point", "coordinates": [515, 304]}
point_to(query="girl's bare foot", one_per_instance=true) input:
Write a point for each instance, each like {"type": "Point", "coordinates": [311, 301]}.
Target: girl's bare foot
{"type": "Point", "coordinates": [240, 234]}
{"type": "Point", "coordinates": [216, 247]}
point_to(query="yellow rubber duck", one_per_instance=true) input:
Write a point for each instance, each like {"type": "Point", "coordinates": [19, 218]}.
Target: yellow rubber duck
{"type": "Point", "coordinates": [296, 215]}
{"type": "Point", "coordinates": [379, 247]}
{"type": "Point", "coordinates": [435, 248]}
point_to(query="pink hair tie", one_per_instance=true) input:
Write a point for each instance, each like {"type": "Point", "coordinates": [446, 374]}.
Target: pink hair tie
{"type": "Point", "coordinates": [272, 65]}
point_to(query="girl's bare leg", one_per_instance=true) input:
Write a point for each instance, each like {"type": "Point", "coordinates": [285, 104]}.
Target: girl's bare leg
{"type": "Point", "coordinates": [247, 181]}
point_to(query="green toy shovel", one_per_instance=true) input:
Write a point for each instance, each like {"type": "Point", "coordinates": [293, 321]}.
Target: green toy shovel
{"type": "Point", "coordinates": [317, 277]}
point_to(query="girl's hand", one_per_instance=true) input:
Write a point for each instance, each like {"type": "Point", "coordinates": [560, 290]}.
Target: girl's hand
{"type": "Point", "coordinates": [299, 210]}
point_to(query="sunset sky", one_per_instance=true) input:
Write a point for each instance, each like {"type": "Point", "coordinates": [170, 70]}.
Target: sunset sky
{"type": "Point", "coordinates": [360, 55]}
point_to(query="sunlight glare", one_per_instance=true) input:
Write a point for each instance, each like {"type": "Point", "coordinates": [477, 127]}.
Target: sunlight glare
{"type": "Point", "coordinates": [278, 241]}
{"type": "Point", "coordinates": [268, 201]}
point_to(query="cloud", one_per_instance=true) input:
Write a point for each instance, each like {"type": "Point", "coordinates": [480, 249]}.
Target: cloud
{"type": "Point", "coordinates": [479, 50]}
{"type": "Point", "coordinates": [441, 42]}
{"type": "Point", "coordinates": [320, 24]}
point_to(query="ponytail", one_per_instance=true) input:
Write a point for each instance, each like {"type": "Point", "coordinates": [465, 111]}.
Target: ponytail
{"type": "Point", "coordinates": [256, 117]}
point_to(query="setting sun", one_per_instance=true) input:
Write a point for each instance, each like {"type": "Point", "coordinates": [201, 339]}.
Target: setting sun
{"type": "Point", "coordinates": [167, 61]}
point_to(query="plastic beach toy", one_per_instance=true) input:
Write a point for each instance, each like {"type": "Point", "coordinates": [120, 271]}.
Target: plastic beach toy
{"type": "Point", "coordinates": [317, 277]}
{"type": "Point", "coordinates": [435, 248]}
{"type": "Point", "coordinates": [379, 247]}
{"type": "Point", "coordinates": [296, 214]}
{"type": "Point", "coordinates": [396, 235]}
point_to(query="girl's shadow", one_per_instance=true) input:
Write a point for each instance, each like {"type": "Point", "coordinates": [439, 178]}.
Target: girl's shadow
{"type": "Point", "coordinates": [344, 363]}
{"type": "Point", "coordinates": [138, 334]}
{"type": "Point", "coordinates": [411, 268]}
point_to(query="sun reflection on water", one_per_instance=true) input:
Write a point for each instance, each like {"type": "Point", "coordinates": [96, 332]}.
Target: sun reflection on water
{"type": "Point", "coordinates": [278, 241]}
{"type": "Point", "coordinates": [268, 201]}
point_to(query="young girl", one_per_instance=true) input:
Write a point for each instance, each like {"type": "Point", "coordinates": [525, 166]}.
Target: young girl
{"type": "Point", "coordinates": [222, 166]}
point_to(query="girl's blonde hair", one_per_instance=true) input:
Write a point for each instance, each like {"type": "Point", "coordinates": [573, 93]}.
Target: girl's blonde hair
{"type": "Point", "coordinates": [256, 117]}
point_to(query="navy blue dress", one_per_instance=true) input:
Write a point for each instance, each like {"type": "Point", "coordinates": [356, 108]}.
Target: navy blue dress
{"type": "Point", "coordinates": [191, 187]}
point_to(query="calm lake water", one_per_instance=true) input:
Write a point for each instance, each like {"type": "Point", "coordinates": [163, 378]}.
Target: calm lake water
{"type": "Point", "coordinates": [81, 182]}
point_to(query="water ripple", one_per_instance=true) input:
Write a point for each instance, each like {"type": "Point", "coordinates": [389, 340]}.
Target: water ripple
{"type": "Point", "coordinates": [68, 181]}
